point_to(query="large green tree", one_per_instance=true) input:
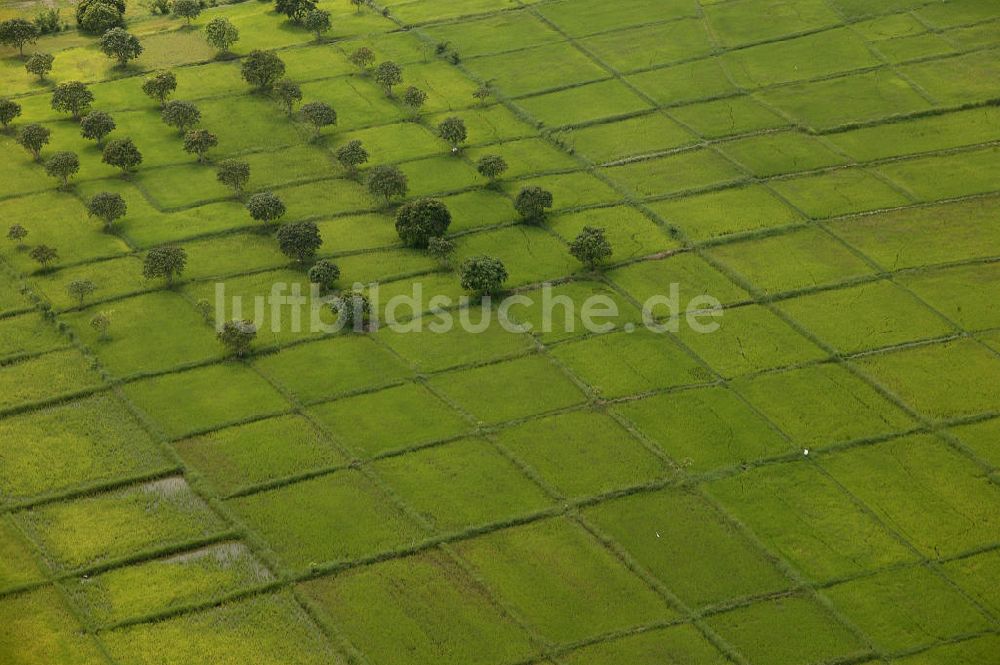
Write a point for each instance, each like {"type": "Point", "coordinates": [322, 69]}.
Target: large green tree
{"type": "Point", "coordinates": [17, 32]}
{"type": "Point", "coordinates": [299, 240]}
{"type": "Point", "coordinates": [122, 153]}
{"type": "Point", "coordinates": [72, 97]}
{"type": "Point", "coordinates": [121, 45]}
{"type": "Point", "coordinates": [419, 221]}
{"type": "Point", "coordinates": [262, 68]}
{"type": "Point", "coordinates": [164, 262]}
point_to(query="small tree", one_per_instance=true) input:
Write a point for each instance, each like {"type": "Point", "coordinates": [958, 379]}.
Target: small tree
{"type": "Point", "coordinates": [387, 182]}
{"type": "Point", "coordinates": [414, 98]}
{"type": "Point", "coordinates": [160, 85]}
{"type": "Point", "coordinates": [358, 4]}
{"type": "Point", "coordinates": [187, 9]}
{"type": "Point", "coordinates": [590, 247]}
{"type": "Point", "coordinates": [72, 97]}
{"type": "Point", "coordinates": [44, 255]}
{"type": "Point", "coordinates": [180, 114]}
{"type": "Point", "coordinates": [63, 165]}
{"type": "Point", "coordinates": [39, 64]}
{"type": "Point", "coordinates": [491, 167]}
{"type": "Point", "coordinates": [121, 45]}
{"type": "Point", "coordinates": [199, 141]}
{"type": "Point", "coordinates": [265, 207]}
{"type": "Point", "coordinates": [17, 233]}
{"type": "Point", "coordinates": [234, 174]}
{"type": "Point", "coordinates": [262, 68]}
{"type": "Point", "coordinates": [453, 131]}
{"type": "Point", "coordinates": [317, 21]}
{"type": "Point", "coordinates": [165, 262]}
{"type": "Point", "coordinates": [79, 289]}
{"type": "Point", "coordinates": [205, 309]}
{"type": "Point", "coordinates": [108, 207]}
{"type": "Point", "coordinates": [17, 32]}
{"type": "Point", "coordinates": [299, 240]}
{"type": "Point", "coordinates": [319, 115]}
{"type": "Point", "coordinates": [221, 34]}
{"type": "Point", "coordinates": [362, 58]}
{"type": "Point", "coordinates": [387, 75]}
{"type": "Point", "coordinates": [8, 111]}
{"type": "Point", "coordinates": [33, 137]}
{"type": "Point", "coordinates": [353, 310]}
{"type": "Point", "coordinates": [122, 154]}
{"type": "Point", "coordinates": [101, 323]}
{"type": "Point", "coordinates": [482, 275]}
{"type": "Point", "coordinates": [324, 274]}
{"type": "Point", "coordinates": [352, 155]}
{"type": "Point", "coordinates": [288, 93]}
{"type": "Point", "coordinates": [441, 250]}
{"type": "Point", "coordinates": [295, 10]}
{"type": "Point", "coordinates": [96, 125]}
{"type": "Point", "coordinates": [238, 336]}
{"type": "Point", "coordinates": [531, 203]}
{"type": "Point", "coordinates": [483, 93]}
{"type": "Point", "coordinates": [98, 16]}
{"type": "Point", "coordinates": [419, 221]}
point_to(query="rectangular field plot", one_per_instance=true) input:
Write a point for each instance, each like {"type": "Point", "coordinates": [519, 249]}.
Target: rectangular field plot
{"type": "Point", "coordinates": [961, 293]}
{"type": "Point", "coordinates": [641, 135]}
{"type": "Point", "coordinates": [461, 485]}
{"type": "Point", "coordinates": [390, 419]}
{"type": "Point", "coordinates": [36, 628]}
{"type": "Point", "coordinates": [570, 190]}
{"type": "Point", "coordinates": [978, 576]}
{"type": "Point", "coordinates": [788, 152]}
{"type": "Point", "coordinates": [805, 517]}
{"type": "Point", "coordinates": [164, 584]}
{"type": "Point", "coordinates": [807, 57]}
{"type": "Point", "coordinates": [553, 318]}
{"type": "Point", "coordinates": [682, 644]}
{"type": "Point", "coordinates": [18, 562]}
{"type": "Point", "coordinates": [749, 21]}
{"type": "Point", "coordinates": [694, 277]}
{"type": "Point", "coordinates": [582, 17]}
{"type": "Point", "coordinates": [358, 103]}
{"type": "Point", "coordinates": [694, 427]}
{"type": "Point", "coordinates": [587, 103]}
{"type": "Point", "coordinates": [739, 114]}
{"type": "Point", "coordinates": [823, 404]}
{"type": "Point", "coordinates": [88, 441]}
{"type": "Point", "coordinates": [840, 192]}
{"type": "Point", "coordinates": [427, 350]}
{"type": "Point", "coordinates": [423, 608]}
{"type": "Point", "coordinates": [266, 630]}
{"type": "Point", "coordinates": [968, 651]}
{"type": "Point", "coordinates": [238, 457]}
{"type": "Point", "coordinates": [527, 156]}
{"type": "Point", "coordinates": [505, 31]}
{"type": "Point", "coordinates": [650, 46]}
{"type": "Point", "coordinates": [700, 80]}
{"type": "Point", "coordinates": [561, 581]}
{"type": "Point", "coordinates": [631, 234]}
{"type": "Point", "coordinates": [950, 176]}
{"type": "Point", "coordinates": [959, 80]}
{"type": "Point", "coordinates": [46, 377]}
{"type": "Point", "coordinates": [733, 211]}
{"type": "Point", "coordinates": [689, 170]}
{"type": "Point", "coordinates": [338, 517]}
{"type": "Point", "coordinates": [437, 175]}
{"type": "Point", "coordinates": [518, 73]}
{"type": "Point", "coordinates": [486, 124]}
{"type": "Point", "coordinates": [582, 453]}
{"type": "Point", "coordinates": [28, 334]}
{"type": "Point", "coordinates": [101, 528]}
{"type": "Point", "coordinates": [957, 507]}
{"type": "Point", "coordinates": [982, 439]}
{"type": "Point", "coordinates": [684, 542]}
{"type": "Point", "coordinates": [176, 403]}
{"type": "Point", "coordinates": [528, 252]}
{"type": "Point", "coordinates": [945, 380]}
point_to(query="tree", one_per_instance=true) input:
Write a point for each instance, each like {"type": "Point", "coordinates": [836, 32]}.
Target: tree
{"type": "Point", "coordinates": [531, 203]}
{"type": "Point", "coordinates": [167, 262]}
{"type": "Point", "coordinates": [63, 165]}
{"type": "Point", "coordinates": [122, 153]}
{"type": "Point", "coordinates": [419, 221]}
{"type": "Point", "coordinates": [221, 34]}
{"type": "Point", "coordinates": [205, 309]}
{"type": "Point", "coordinates": [96, 125]}
{"type": "Point", "coordinates": [199, 141]}
{"type": "Point", "coordinates": [108, 207]}
{"type": "Point", "coordinates": [101, 322]}
{"type": "Point", "coordinates": [72, 97]}
{"type": "Point", "coordinates": [233, 174]}
{"type": "Point", "coordinates": [39, 64]}
{"type": "Point", "coordinates": [180, 114]}
{"type": "Point", "coordinates": [387, 182]}
{"type": "Point", "coordinates": [79, 289]}
{"type": "Point", "coordinates": [483, 93]}
{"type": "Point", "coordinates": [262, 68]}
{"type": "Point", "coordinates": [414, 98]}
{"type": "Point", "coordinates": [299, 240]}
{"type": "Point", "coordinates": [295, 10]}
{"type": "Point", "coordinates": [187, 9]}
{"type": "Point", "coordinates": [319, 115]}
{"type": "Point", "coordinates": [441, 250]}
{"type": "Point", "coordinates": [387, 75]}
{"type": "Point", "coordinates": [265, 207]}
{"type": "Point", "coordinates": [491, 166]}
{"type": "Point", "coordinates": [324, 274]}
{"type": "Point", "coordinates": [160, 85]}
{"type": "Point", "coordinates": [317, 21]}
{"type": "Point", "coordinates": [9, 110]}
{"type": "Point", "coordinates": [33, 137]}
{"type": "Point", "coordinates": [362, 58]}
{"type": "Point", "coordinates": [121, 45]}
{"type": "Point", "coordinates": [352, 155]}
{"type": "Point", "coordinates": [482, 275]}
{"type": "Point", "coordinates": [237, 336]}
{"type": "Point", "coordinates": [17, 233]}
{"type": "Point", "coordinates": [359, 4]}
{"type": "Point", "coordinates": [353, 310]}
{"type": "Point", "coordinates": [591, 247]}
{"type": "Point", "coordinates": [17, 32]}
{"type": "Point", "coordinates": [288, 93]}
{"type": "Point", "coordinates": [98, 16]}
{"type": "Point", "coordinates": [453, 131]}
{"type": "Point", "coordinates": [44, 255]}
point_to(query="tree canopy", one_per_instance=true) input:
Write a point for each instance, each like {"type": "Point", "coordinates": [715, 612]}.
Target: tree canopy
{"type": "Point", "coordinates": [96, 125]}
{"type": "Point", "coordinates": [482, 275]}
{"type": "Point", "coordinates": [72, 97]}
{"type": "Point", "coordinates": [299, 240]}
{"type": "Point", "coordinates": [108, 207]}
{"type": "Point", "coordinates": [164, 262]}
{"type": "Point", "coordinates": [221, 34]}
{"type": "Point", "coordinates": [122, 153]}
{"type": "Point", "coordinates": [419, 221]}
{"type": "Point", "coordinates": [160, 85]}
{"type": "Point", "coordinates": [262, 68]}
{"type": "Point", "coordinates": [17, 32]}
{"type": "Point", "coordinates": [121, 45]}
{"type": "Point", "coordinates": [387, 182]}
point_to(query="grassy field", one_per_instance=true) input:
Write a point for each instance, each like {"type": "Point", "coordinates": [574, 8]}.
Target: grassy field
{"type": "Point", "coordinates": [816, 483]}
